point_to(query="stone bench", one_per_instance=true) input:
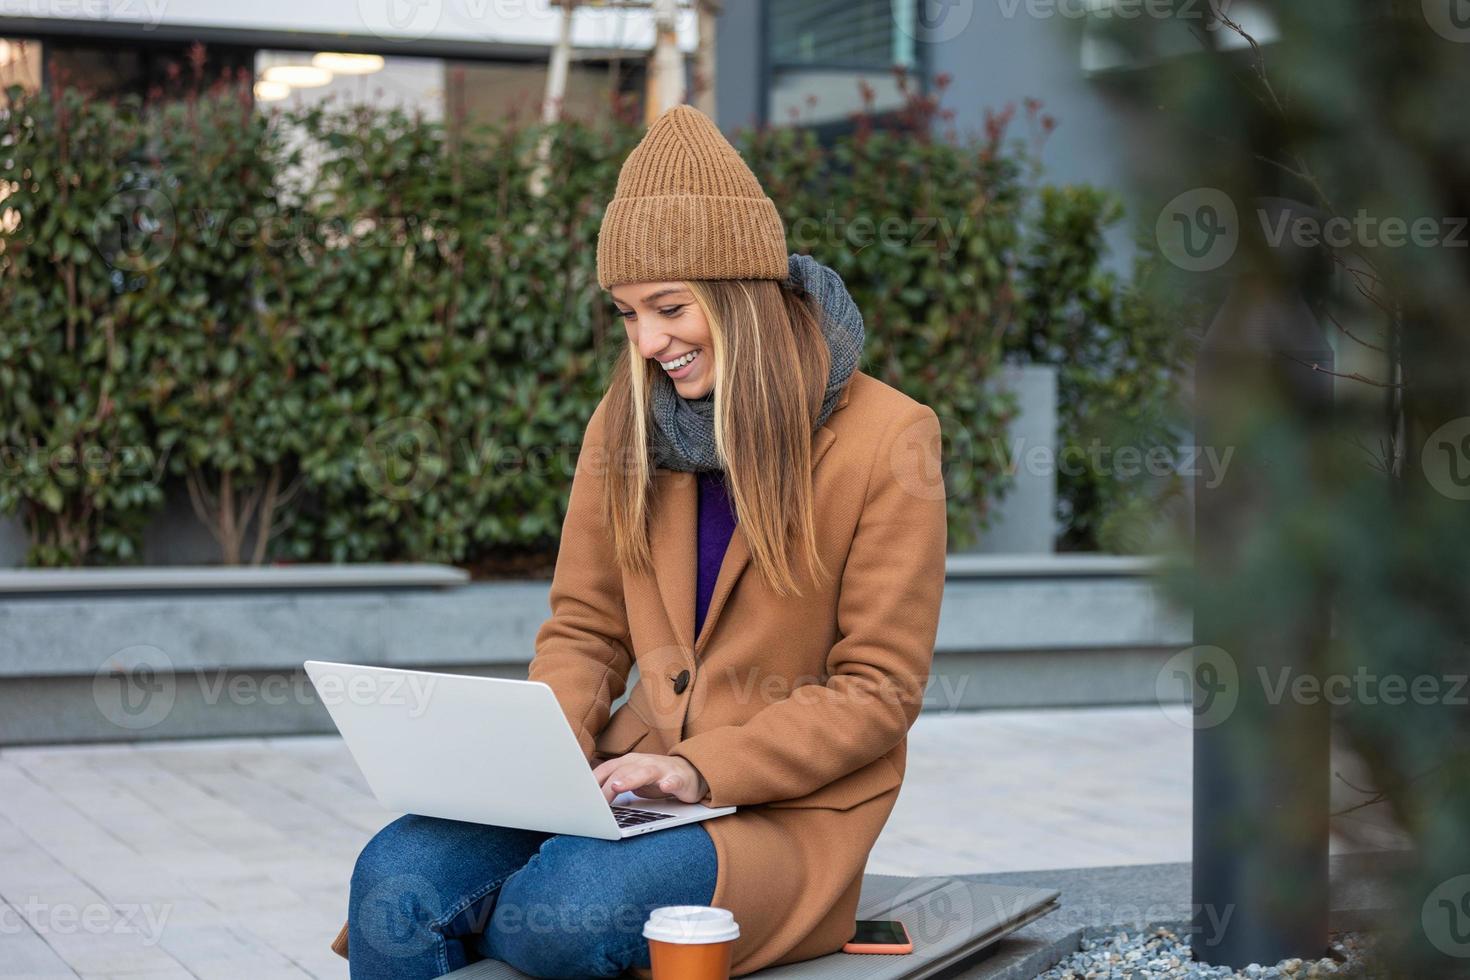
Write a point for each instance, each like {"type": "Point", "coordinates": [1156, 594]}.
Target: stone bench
{"type": "Point", "coordinates": [1014, 631]}
{"type": "Point", "coordinates": [951, 920]}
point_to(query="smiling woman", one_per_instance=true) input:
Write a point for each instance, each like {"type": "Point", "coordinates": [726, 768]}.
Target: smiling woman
{"type": "Point", "coordinates": [787, 693]}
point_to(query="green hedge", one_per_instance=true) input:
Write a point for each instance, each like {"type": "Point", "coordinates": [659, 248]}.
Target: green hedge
{"type": "Point", "coordinates": [355, 334]}
{"type": "Point", "coordinates": [1120, 352]}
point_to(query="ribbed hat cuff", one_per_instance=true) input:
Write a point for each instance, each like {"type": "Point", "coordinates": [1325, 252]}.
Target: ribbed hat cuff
{"type": "Point", "coordinates": [655, 239]}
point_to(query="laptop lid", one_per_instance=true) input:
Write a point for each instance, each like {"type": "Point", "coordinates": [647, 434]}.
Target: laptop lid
{"type": "Point", "coordinates": [482, 749]}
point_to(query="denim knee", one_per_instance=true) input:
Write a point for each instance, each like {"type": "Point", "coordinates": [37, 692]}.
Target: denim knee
{"type": "Point", "coordinates": [573, 949]}
{"type": "Point", "coordinates": [393, 903]}
{"type": "Point", "coordinates": [577, 907]}
{"type": "Point", "coordinates": [395, 851]}
{"type": "Point", "coordinates": [549, 927]}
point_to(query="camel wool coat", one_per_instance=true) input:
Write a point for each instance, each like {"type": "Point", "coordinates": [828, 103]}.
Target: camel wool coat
{"type": "Point", "coordinates": [794, 709]}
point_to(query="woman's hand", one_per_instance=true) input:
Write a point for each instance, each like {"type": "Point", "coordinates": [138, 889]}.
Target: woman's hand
{"type": "Point", "coordinates": [651, 776]}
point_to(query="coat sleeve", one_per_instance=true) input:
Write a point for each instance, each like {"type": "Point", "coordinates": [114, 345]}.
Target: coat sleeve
{"type": "Point", "coordinates": [582, 651]}
{"type": "Point", "coordinates": [887, 617]}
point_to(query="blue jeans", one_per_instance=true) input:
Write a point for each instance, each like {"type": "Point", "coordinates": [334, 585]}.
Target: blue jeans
{"type": "Point", "coordinates": [430, 896]}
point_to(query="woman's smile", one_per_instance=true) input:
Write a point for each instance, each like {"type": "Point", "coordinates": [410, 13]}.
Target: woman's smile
{"type": "Point", "coordinates": [682, 366]}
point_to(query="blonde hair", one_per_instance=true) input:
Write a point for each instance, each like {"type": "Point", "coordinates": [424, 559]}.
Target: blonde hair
{"type": "Point", "coordinates": [770, 363]}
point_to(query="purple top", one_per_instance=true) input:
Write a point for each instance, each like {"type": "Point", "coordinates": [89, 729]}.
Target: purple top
{"type": "Point", "coordinates": [716, 524]}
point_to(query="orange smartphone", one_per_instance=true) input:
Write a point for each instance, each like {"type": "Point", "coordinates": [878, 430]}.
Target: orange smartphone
{"type": "Point", "coordinates": [879, 936]}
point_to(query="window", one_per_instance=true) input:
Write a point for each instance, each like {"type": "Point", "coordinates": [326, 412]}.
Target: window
{"type": "Point", "coordinates": [487, 92]}
{"type": "Point", "coordinates": [1115, 36]}
{"type": "Point", "coordinates": [107, 69]}
{"type": "Point", "coordinates": [339, 78]}
{"type": "Point", "coordinates": [20, 64]}
{"type": "Point", "coordinates": [819, 51]}
{"type": "Point", "coordinates": [454, 91]}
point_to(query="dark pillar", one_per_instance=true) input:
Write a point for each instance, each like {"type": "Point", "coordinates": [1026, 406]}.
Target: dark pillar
{"type": "Point", "coordinates": [1261, 757]}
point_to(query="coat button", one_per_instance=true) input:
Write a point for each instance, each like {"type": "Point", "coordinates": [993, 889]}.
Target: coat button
{"type": "Point", "coordinates": [681, 682]}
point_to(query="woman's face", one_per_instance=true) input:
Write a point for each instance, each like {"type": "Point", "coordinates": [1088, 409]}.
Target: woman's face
{"type": "Point", "coordinates": [666, 323]}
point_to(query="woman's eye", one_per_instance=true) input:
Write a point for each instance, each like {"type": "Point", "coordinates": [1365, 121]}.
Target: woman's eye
{"type": "Point", "coordinates": [673, 310]}
{"type": "Point", "coordinates": [622, 313]}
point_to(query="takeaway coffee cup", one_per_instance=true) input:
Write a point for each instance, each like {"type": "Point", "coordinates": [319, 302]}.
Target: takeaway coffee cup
{"type": "Point", "coordinates": [690, 942]}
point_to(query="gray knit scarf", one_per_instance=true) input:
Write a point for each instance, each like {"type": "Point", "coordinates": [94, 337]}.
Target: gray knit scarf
{"type": "Point", "coordinates": [683, 436]}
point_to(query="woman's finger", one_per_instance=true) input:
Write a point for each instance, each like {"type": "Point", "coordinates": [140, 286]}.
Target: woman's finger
{"type": "Point", "coordinates": [629, 776]}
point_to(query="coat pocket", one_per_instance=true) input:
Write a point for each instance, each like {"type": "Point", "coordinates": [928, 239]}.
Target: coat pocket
{"type": "Point", "coordinates": [859, 786]}
{"type": "Point", "coordinates": [623, 731]}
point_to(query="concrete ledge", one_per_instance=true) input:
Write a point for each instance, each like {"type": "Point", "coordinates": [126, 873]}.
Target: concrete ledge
{"type": "Point", "coordinates": [1046, 678]}
{"type": "Point", "coordinates": [199, 578]}
{"type": "Point", "coordinates": [482, 623]}
{"type": "Point", "coordinates": [1013, 632]}
{"type": "Point", "coordinates": [1034, 611]}
{"type": "Point", "coordinates": [190, 704]}
{"type": "Point", "coordinates": [1067, 565]}
{"type": "Point", "coordinates": [60, 622]}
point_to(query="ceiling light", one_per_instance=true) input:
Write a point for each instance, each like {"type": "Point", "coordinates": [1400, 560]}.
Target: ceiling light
{"type": "Point", "coordinates": [271, 91]}
{"type": "Point", "coordinates": [343, 63]}
{"type": "Point", "coordinates": [297, 76]}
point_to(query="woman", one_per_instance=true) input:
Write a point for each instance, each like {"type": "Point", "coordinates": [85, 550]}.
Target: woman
{"type": "Point", "coordinates": [760, 527]}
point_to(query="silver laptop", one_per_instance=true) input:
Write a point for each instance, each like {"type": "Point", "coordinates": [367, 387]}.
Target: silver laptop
{"type": "Point", "coordinates": [480, 749]}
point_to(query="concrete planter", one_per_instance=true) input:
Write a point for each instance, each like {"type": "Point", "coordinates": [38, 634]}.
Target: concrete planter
{"type": "Point", "coordinates": [123, 654]}
{"type": "Point", "coordinates": [1024, 521]}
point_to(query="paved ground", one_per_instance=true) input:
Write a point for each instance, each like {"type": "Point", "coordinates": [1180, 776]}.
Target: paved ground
{"type": "Point", "coordinates": [230, 859]}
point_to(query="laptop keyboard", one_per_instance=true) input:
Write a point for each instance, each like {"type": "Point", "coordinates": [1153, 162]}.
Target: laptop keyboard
{"type": "Point", "coordinates": [630, 816]}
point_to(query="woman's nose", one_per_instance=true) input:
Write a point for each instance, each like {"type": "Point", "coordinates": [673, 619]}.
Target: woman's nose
{"type": "Point", "coordinates": [651, 342]}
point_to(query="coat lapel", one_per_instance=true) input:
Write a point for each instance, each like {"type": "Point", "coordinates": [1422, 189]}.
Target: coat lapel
{"type": "Point", "coordinates": [675, 545]}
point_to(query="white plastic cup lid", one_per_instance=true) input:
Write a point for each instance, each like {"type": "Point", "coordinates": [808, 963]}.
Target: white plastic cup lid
{"type": "Point", "coordinates": [691, 924]}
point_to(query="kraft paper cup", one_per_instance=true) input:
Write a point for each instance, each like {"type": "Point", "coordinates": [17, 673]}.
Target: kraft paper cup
{"type": "Point", "coordinates": [690, 942]}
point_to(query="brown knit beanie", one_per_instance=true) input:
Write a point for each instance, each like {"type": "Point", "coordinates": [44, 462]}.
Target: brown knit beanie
{"type": "Point", "coordinates": [687, 207]}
